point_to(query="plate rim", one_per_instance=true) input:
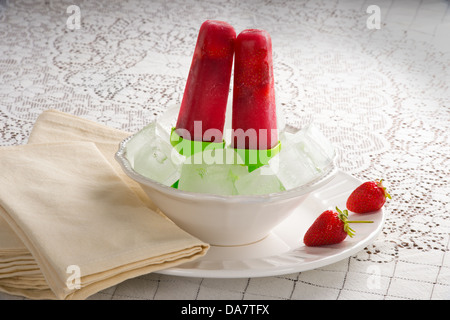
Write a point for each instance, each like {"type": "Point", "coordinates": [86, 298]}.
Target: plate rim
{"type": "Point", "coordinates": [278, 271]}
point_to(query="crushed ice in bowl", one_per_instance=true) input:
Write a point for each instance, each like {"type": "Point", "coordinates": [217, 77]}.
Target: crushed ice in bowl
{"type": "Point", "coordinates": [151, 155]}
{"type": "Point", "coordinates": [304, 156]}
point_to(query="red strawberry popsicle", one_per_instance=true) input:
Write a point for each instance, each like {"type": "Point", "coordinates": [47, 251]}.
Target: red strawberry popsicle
{"type": "Point", "coordinates": [208, 84]}
{"type": "Point", "coordinates": [253, 92]}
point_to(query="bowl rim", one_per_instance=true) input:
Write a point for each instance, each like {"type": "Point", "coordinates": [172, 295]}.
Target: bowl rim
{"type": "Point", "coordinates": [328, 174]}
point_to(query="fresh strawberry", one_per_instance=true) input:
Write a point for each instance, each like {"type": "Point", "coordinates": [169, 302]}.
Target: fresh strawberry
{"type": "Point", "coordinates": [330, 227]}
{"type": "Point", "coordinates": [368, 197]}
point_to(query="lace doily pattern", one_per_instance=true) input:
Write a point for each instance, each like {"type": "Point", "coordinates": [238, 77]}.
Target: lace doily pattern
{"type": "Point", "coordinates": [380, 95]}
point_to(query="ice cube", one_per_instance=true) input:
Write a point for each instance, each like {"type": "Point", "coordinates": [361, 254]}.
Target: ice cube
{"type": "Point", "coordinates": [151, 154]}
{"type": "Point", "coordinates": [168, 120]}
{"type": "Point", "coordinates": [311, 142]}
{"type": "Point", "coordinates": [212, 171]}
{"type": "Point", "coordinates": [260, 181]}
{"type": "Point", "coordinates": [292, 168]}
{"type": "Point", "coordinates": [285, 137]}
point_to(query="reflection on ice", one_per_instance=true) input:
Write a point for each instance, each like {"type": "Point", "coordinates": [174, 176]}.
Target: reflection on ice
{"type": "Point", "coordinates": [215, 178]}
{"type": "Point", "coordinates": [150, 154]}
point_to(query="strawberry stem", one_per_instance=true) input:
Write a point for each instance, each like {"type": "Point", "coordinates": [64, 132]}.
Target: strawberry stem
{"type": "Point", "coordinates": [343, 216]}
{"type": "Point", "coordinates": [380, 184]}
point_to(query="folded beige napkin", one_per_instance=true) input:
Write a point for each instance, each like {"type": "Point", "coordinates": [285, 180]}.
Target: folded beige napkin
{"type": "Point", "coordinates": [56, 126]}
{"type": "Point", "coordinates": [67, 212]}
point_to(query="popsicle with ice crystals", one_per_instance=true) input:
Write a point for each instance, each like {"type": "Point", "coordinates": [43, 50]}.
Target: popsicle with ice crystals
{"type": "Point", "coordinates": [254, 119]}
{"type": "Point", "coordinates": [204, 102]}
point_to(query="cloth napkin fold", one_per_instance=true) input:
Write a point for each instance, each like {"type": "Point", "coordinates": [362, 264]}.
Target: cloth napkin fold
{"type": "Point", "coordinates": [56, 126]}
{"type": "Point", "coordinates": [67, 211]}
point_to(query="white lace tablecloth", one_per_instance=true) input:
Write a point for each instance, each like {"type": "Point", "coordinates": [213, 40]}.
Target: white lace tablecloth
{"type": "Point", "coordinates": [381, 95]}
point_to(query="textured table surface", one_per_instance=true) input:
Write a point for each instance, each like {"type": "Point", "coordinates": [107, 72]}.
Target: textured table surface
{"type": "Point", "coordinates": [381, 95]}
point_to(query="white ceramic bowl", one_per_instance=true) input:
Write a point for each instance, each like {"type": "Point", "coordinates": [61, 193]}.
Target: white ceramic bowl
{"type": "Point", "coordinates": [223, 220]}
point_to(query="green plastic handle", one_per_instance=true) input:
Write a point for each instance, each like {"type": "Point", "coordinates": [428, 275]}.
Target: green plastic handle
{"type": "Point", "coordinates": [189, 147]}
{"type": "Point", "coordinates": [255, 159]}
{"type": "Point", "coordinates": [251, 158]}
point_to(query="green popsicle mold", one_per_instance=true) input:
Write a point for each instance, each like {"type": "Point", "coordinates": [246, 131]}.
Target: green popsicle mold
{"type": "Point", "coordinates": [189, 147]}
{"type": "Point", "coordinates": [251, 158]}
{"type": "Point", "coordinates": [255, 159]}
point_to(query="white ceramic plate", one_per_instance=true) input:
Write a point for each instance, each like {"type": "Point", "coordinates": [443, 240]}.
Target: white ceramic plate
{"type": "Point", "coordinates": [283, 251]}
